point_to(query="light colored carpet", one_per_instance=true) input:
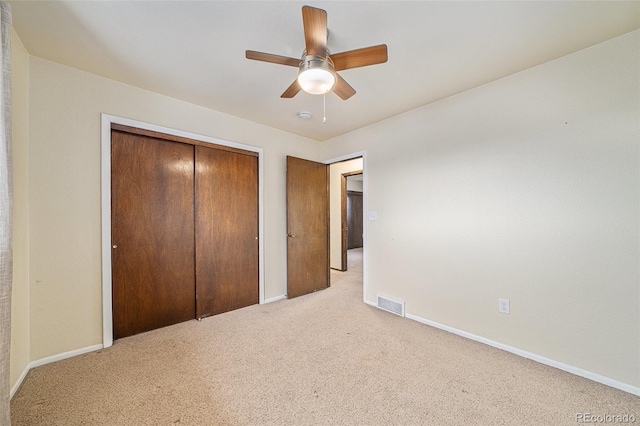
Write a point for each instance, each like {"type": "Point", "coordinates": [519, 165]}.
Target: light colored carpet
{"type": "Point", "coordinates": [321, 359]}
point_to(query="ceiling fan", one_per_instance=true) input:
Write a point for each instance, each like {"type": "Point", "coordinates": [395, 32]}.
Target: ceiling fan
{"type": "Point", "coordinates": [317, 68]}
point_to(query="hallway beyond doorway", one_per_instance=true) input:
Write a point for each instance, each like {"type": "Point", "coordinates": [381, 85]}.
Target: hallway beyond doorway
{"type": "Point", "coordinates": [353, 274]}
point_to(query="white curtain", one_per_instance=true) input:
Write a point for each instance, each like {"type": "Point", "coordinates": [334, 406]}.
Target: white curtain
{"type": "Point", "coordinates": [6, 209]}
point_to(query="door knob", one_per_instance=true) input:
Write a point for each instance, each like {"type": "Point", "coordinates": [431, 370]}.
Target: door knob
{"type": "Point", "coordinates": [291, 235]}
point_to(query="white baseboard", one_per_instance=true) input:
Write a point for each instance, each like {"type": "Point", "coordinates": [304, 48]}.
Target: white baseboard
{"type": "Point", "coordinates": [50, 359]}
{"type": "Point", "coordinates": [16, 386]}
{"type": "Point", "coordinates": [538, 358]}
{"type": "Point", "coordinates": [275, 299]}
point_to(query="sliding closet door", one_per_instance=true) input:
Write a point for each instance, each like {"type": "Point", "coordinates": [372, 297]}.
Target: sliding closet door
{"type": "Point", "coordinates": [152, 217]}
{"type": "Point", "coordinates": [226, 231]}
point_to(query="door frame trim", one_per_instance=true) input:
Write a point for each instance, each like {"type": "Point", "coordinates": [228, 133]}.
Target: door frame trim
{"type": "Point", "coordinates": [344, 235]}
{"type": "Point", "coordinates": [105, 189]}
{"type": "Point", "coordinates": [352, 156]}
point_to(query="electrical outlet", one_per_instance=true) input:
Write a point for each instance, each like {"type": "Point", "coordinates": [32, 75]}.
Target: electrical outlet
{"type": "Point", "coordinates": [503, 306]}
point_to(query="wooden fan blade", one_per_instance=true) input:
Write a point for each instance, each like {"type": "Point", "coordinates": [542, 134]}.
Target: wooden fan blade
{"type": "Point", "coordinates": [314, 22]}
{"type": "Point", "coordinates": [275, 59]}
{"type": "Point", "coordinates": [292, 90]}
{"type": "Point", "coordinates": [342, 88]}
{"type": "Point", "coordinates": [360, 57]}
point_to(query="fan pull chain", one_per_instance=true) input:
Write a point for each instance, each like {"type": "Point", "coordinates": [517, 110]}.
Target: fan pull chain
{"type": "Point", "coordinates": [324, 108]}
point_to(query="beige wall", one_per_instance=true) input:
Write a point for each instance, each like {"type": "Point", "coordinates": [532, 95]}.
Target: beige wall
{"type": "Point", "coordinates": [335, 192]}
{"type": "Point", "coordinates": [527, 189]}
{"type": "Point", "coordinates": [64, 192]}
{"type": "Point", "coordinates": [20, 291]}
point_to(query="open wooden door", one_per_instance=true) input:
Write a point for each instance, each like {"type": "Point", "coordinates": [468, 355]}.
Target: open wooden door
{"type": "Point", "coordinates": [307, 226]}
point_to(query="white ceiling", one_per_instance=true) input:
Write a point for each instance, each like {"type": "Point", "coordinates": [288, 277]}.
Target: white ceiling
{"type": "Point", "coordinates": [194, 50]}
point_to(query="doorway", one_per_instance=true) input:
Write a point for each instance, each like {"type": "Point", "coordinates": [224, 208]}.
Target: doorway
{"type": "Point", "coordinates": [348, 201]}
{"type": "Point", "coordinates": [345, 175]}
{"type": "Point", "coordinates": [352, 215]}
{"type": "Point", "coordinates": [354, 219]}
{"type": "Point", "coordinates": [316, 232]}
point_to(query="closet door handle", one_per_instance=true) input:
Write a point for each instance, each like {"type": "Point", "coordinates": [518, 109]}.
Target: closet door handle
{"type": "Point", "coordinates": [291, 235]}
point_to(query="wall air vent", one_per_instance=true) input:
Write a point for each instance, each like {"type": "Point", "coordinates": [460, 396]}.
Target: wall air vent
{"type": "Point", "coordinates": [391, 305]}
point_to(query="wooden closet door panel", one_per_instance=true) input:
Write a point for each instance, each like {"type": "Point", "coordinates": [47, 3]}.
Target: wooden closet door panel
{"type": "Point", "coordinates": [227, 259]}
{"type": "Point", "coordinates": [152, 213]}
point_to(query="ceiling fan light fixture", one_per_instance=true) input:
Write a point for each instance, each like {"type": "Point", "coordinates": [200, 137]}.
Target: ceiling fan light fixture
{"type": "Point", "coordinates": [316, 75]}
